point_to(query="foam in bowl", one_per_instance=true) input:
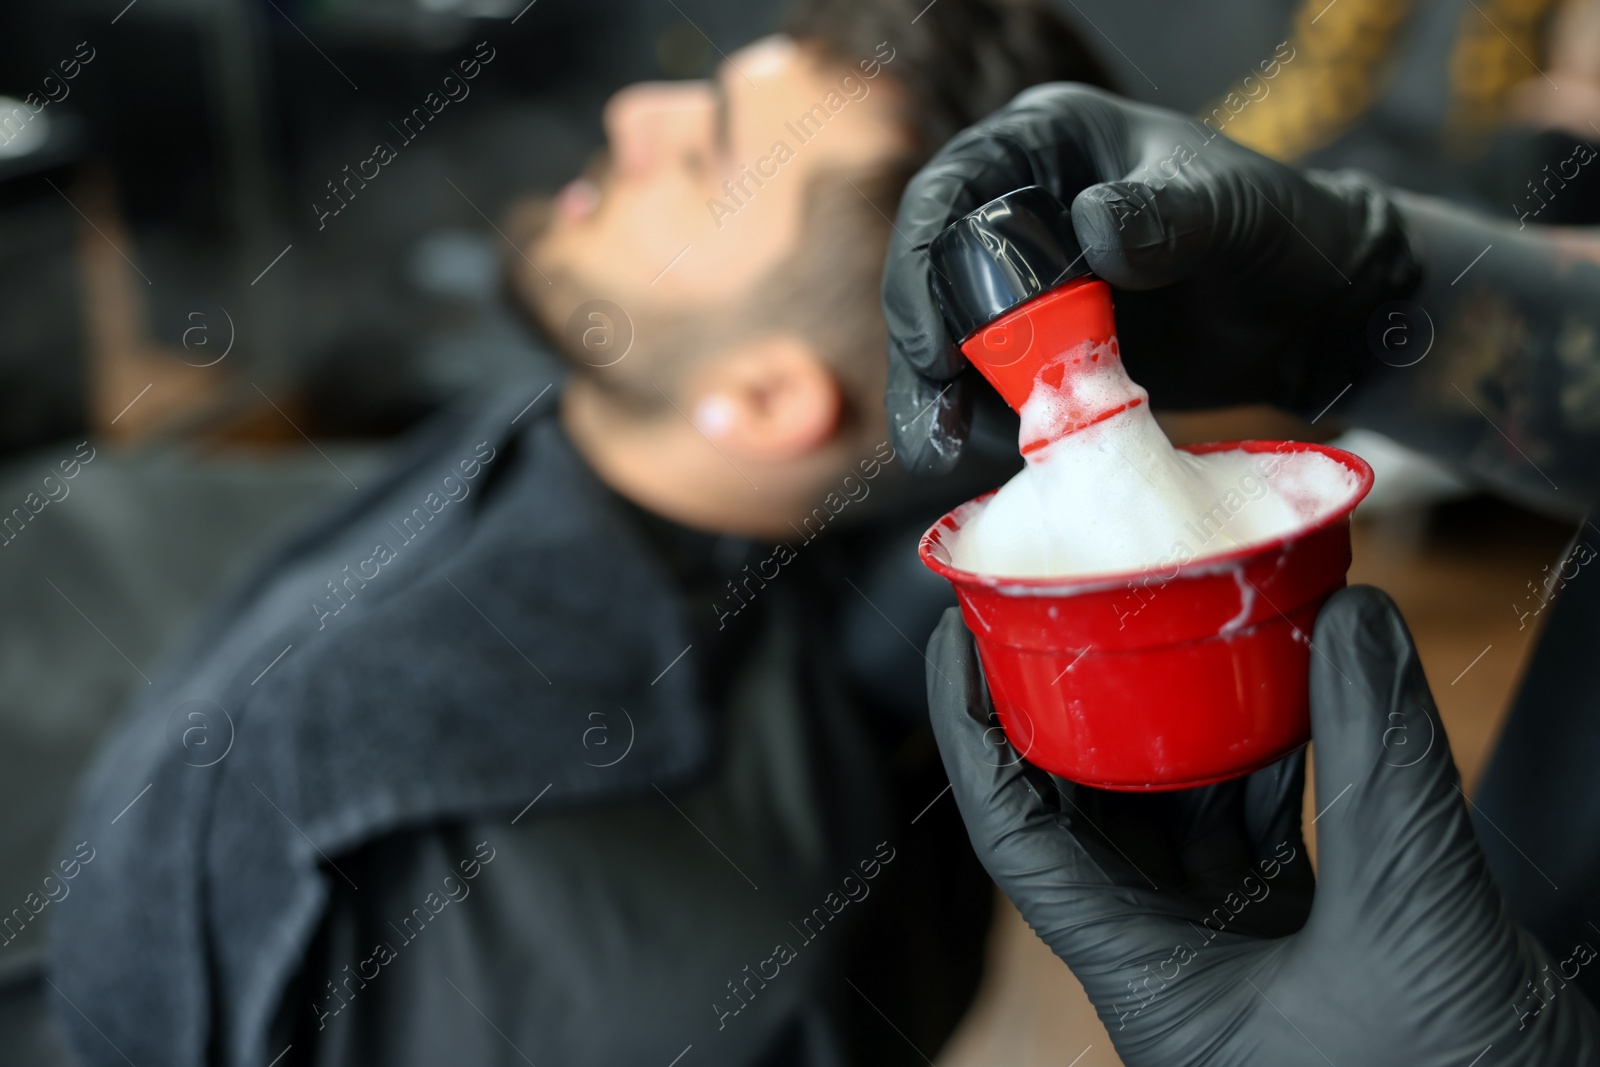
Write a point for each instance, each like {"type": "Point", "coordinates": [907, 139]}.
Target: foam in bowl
{"type": "Point", "coordinates": [1115, 496]}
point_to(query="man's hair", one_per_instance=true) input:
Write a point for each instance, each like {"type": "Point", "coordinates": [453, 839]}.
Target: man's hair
{"type": "Point", "coordinates": [957, 60]}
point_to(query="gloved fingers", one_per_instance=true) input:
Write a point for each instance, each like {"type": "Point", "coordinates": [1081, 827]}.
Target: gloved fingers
{"type": "Point", "coordinates": [1278, 877]}
{"type": "Point", "coordinates": [1139, 236]}
{"type": "Point", "coordinates": [1391, 818]}
{"type": "Point", "coordinates": [1204, 209]}
{"type": "Point", "coordinates": [1154, 200]}
{"type": "Point", "coordinates": [1196, 206]}
{"type": "Point", "coordinates": [995, 425]}
{"type": "Point", "coordinates": [1038, 841]}
{"type": "Point", "coordinates": [1052, 135]}
{"type": "Point", "coordinates": [937, 195]}
{"type": "Point", "coordinates": [1223, 843]}
{"type": "Point", "coordinates": [918, 336]}
{"type": "Point", "coordinates": [928, 421]}
{"type": "Point", "coordinates": [1273, 798]}
{"type": "Point", "coordinates": [1218, 831]}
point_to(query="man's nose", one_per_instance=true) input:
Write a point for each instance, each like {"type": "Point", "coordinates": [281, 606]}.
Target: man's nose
{"type": "Point", "coordinates": [650, 123]}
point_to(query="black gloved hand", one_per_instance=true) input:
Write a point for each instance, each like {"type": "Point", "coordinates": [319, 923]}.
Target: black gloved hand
{"type": "Point", "coordinates": [1407, 956]}
{"type": "Point", "coordinates": [1238, 280]}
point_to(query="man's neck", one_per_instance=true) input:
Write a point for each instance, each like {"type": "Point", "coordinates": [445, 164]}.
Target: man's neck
{"type": "Point", "coordinates": [663, 464]}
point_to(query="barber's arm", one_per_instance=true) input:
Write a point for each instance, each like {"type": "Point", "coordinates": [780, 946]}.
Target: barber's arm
{"type": "Point", "coordinates": [1510, 387]}
{"type": "Point", "coordinates": [1189, 917]}
{"type": "Point", "coordinates": [1241, 280]}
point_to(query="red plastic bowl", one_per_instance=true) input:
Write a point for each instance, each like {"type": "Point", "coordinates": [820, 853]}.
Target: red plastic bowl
{"type": "Point", "coordinates": [1131, 681]}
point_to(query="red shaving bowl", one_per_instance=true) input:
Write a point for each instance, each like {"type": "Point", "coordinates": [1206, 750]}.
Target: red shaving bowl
{"type": "Point", "coordinates": [1139, 681]}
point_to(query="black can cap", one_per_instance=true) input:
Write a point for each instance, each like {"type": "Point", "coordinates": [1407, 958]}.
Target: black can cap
{"type": "Point", "coordinates": [1010, 250]}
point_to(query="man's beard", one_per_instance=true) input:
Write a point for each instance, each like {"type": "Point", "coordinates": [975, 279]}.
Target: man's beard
{"type": "Point", "coordinates": [544, 292]}
{"type": "Point", "coordinates": [591, 336]}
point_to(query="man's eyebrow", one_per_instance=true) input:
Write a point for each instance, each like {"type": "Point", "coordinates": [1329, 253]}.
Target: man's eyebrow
{"type": "Point", "coordinates": [721, 119]}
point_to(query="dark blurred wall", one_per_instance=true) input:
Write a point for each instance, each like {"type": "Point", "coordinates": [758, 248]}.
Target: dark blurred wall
{"type": "Point", "coordinates": [220, 124]}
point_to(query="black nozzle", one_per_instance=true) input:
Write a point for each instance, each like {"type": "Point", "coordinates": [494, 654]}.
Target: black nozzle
{"type": "Point", "coordinates": [1010, 250]}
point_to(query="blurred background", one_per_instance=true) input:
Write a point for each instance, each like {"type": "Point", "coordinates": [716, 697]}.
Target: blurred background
{"type": "Point", "coordinates": [177, 288]}
{"type": "Point", "coordinates": [194, 146]}
{"type": "Point", "coordinates": [193, 143]}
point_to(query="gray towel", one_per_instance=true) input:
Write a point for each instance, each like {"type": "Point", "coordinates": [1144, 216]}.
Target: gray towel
{"type": "Point", "coordinates": [453, 675]}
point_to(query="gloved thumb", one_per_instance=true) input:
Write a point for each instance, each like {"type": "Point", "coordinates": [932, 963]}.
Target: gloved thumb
{"type": "Point", "coordinates": [1391, 820]}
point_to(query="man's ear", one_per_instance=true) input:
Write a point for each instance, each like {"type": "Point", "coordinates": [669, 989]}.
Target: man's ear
{"type": "Point", "coordinates": [772, 398]}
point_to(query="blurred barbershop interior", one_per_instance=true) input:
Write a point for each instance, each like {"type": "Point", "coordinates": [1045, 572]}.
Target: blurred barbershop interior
{"type": "Point", "coordinates": [261, 259]}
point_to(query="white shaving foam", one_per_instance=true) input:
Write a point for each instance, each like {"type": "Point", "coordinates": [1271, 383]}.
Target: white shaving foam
{"type": "Point", "coordinates": [1116, 496]}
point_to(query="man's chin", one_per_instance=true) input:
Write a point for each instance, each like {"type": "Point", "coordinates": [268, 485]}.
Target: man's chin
{"type": "Point", "coordinates": [542, 227]}
{"type": "Point", "coordinates": [529, 221]}
{"type": "Point", "coordinates": [533, 221]}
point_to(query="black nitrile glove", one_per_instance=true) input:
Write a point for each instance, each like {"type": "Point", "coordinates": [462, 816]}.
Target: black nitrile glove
{"type": "Point", "coordinates": [1238, 279]}
{"type": "Point", "coordinates": [1175, 910]}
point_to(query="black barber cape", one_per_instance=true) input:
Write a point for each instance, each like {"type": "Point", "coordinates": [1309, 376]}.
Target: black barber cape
{"type": "Point", "coordinates": [1537, 808]}
{"type": "Point", "coordinates": [468, 774]}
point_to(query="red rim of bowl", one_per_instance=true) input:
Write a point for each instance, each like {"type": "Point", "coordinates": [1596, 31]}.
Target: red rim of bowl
{"type": "Point", "coordinates": [1039, 584]}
